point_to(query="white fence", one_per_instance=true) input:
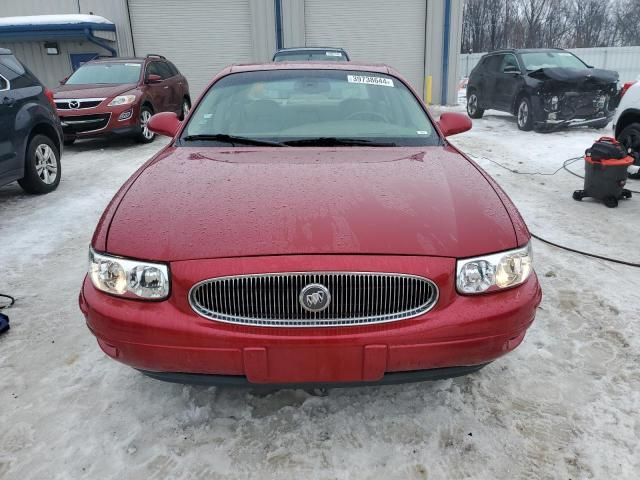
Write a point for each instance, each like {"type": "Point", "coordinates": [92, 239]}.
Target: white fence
{"type": "Point", "coordinates": [624, 60]}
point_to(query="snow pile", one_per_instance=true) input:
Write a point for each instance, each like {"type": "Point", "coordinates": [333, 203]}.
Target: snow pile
{"type": "Point", "coordinates": [70, 19]}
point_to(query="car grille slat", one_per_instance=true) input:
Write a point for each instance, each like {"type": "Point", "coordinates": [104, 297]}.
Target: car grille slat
{"type": "Point", "coordinates": [273, 299]}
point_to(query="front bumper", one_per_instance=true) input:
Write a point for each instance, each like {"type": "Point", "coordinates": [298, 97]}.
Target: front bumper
{"type": "Point", "coordinates": [99, 121]}
{"type": "Point", "coordinates": [168, 338]}
{"type": "Point", "coordinates": [565, 117]}
{"type": "Point", "coordinates": [574, 122]}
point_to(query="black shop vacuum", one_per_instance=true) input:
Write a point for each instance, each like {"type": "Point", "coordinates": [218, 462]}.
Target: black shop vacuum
{"type": "Point", "coordinates": [605, 167]}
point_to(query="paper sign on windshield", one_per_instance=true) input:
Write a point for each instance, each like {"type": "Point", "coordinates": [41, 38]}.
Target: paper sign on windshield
{"type": "Point", "coordinates": [387, 82]}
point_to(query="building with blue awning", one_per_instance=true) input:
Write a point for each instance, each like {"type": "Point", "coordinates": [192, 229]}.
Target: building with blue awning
{"type": "Point", "coordinates": [53, 46]}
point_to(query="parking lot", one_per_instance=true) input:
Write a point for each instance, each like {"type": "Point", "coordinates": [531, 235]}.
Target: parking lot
{"type": "Point", "coordinates": [563, 405]}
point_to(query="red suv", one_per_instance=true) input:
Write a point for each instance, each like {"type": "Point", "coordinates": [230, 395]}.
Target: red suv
{"type": "Point", "coordinates": [118, 96]}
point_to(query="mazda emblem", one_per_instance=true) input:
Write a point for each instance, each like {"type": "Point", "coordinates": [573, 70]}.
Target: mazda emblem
{"type": "Point", "coordinates": [74, 104]}
{"type": "Point", "coordinates": [315, 297]}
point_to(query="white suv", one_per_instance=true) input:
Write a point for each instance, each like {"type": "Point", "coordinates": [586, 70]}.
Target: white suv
{"type": "Point", "coordinates": [626, 123]}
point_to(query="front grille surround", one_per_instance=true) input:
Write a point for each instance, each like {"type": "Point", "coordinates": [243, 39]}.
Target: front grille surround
{"type": "Point", "coordinates": [83, 103]}
{"type": "Point", "coordinates": [271, 299]}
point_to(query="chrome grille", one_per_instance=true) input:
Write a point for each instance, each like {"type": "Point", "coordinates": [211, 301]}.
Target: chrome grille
{"type": "Point", "coordinates": [73, 104]}
{"type": "Point", "coordinates": [273, 299]}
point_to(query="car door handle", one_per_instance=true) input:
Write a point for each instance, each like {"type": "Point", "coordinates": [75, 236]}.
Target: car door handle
{"type": "Point", "coordinates": [166, 86]}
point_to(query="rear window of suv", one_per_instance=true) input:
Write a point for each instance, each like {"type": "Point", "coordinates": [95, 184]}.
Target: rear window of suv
{"type": "Point", "coordinates": [12, 64]}
{"type": "Point", "coordinates": [15, 74]}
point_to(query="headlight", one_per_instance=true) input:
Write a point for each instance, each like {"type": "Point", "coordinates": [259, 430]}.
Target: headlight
{"type": "Point", "coordinates": [494, 272]}
{"type": "Point", "coordinates": [130, 278]}
{"type": "Point", "coordinates": [122, 100]}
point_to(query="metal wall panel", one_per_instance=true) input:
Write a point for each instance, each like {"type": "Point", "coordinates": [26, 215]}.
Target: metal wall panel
{"type": "Point", "coordinates": [293, 23]}
{"type": "Point", "coordinates": [199, 36]}
{"type": "Point", "coordinates": [116, 11]}
{"type": "Point", "coordinates": [378, 31]}
{"type": "Point", "coordinates": [14, 8]}
{"type": "Point", "coordinates": [50, 69]}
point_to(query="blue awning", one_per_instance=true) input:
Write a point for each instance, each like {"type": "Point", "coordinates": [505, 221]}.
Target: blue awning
{"type": "Point", "coordinates": [50, 27]}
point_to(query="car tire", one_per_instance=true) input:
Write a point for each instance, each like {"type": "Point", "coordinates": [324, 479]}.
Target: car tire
{"type": "Point", "coordinates": [473, 106]}
{"type": "Point", "coordinates": [630, 138]}
{"type": "Point", "coordinates": [610, 202]}
{"type": "Point", "coordinates": [184, 110]}
{"type": "Point", "coordinates": [42, 168]}
{"type": "Point", "coordinates": [145, 135]}
{"type": "Point", "coordinates": [67, 142]}
{"type": "Point", "coordinates": [524, 115]}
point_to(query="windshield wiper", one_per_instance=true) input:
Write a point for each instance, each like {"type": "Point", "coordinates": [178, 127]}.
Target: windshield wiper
{"type": "Point", "coordinates": [334, 141]}
{"type": "Point", "coordinates": [223, 137]}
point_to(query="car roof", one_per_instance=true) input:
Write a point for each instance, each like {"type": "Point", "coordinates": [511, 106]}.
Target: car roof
{"type": "Point", "coordinates": [357, 66]}
{"type": "Point", "coordinates": [5, 51]}
{"type": "Point", "coordinates": [117, 60]}
{"type": "Point", "coordinates": [525, 50]}
{"type": "Point", "coordinates": [310, 49]}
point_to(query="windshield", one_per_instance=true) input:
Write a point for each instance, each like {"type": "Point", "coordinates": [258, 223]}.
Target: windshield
{"type": "Point", "coordinates": [310, 56]}
{"type": "Point", "coordinates": [537, 60]}
{"type": "Point", "coordinates": [302, 105]}
{"type": "Point", "coordinates": [110, 73]}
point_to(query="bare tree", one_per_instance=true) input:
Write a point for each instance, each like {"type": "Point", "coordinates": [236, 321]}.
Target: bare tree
{"type": "Point", "coordinates": [493, 24]}
{"type": "Point", "coordinates": [627, 20]}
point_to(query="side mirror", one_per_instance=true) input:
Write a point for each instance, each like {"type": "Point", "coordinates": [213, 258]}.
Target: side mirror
{"type": "Point", "coordinates": [165, 123]}
{"type": "Point", "coordinates": [511, 69]}
{"type": "Point", "coordinates": [153, 78]}
{"type": "Point", "coordinates": [453, 123]}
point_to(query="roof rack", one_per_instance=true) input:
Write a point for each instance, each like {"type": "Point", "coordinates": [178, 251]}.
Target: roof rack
{"type": "Point", "coordinates": [155, 55]}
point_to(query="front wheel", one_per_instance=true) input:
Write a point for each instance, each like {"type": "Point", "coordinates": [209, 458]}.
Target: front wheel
{"type": "Point", "coordinates": [145, 135]}
{"type": "Point", "coordinates": [524, 115]}
{"type": "Point", "coordinates": [473, 106]}
{"type": "Point", "coordinates": [630, 138]}
{"type": "Point", "coordinates": [42, 166]}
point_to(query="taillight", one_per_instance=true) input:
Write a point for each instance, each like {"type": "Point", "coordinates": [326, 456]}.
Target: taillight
{"type": "Point", "coordinates": [49, 94]}
{"type": "Point", "coordinates": [626, 86]}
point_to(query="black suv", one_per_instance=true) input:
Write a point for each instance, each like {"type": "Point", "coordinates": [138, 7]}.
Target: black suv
{"type": "Point", "coordinates": [545, 88]}
{"type": "Point", "coordinates": [30, 131]}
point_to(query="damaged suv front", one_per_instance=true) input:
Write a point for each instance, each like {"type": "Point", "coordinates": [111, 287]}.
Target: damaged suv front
{"type": "Point", "coordinates": [568, 92]}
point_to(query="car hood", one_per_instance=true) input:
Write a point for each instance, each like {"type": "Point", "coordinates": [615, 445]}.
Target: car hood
{"type": "Point", "coordinates": [587, 78]}
{"type": "Point", "coordinates": [91, 90]}
{"type": "Point", "coordinates": [193, 203]}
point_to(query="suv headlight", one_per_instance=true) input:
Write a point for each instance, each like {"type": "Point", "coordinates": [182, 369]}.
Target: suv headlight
{"type": "Point", "coordinates": [122, 100]}
{"type": "Point", "coordinates": [129, 278]}
{"type": "Point", "coordinates": [494, 272]}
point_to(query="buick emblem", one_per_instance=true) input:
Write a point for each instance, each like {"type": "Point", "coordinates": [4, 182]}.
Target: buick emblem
{"type": "Point", "coordinates": [74, 104]}
{"type": "Point", "coordinates": [315, 297]}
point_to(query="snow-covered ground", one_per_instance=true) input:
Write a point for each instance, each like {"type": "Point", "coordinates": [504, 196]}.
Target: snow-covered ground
{"type": "Point", "coordinates": [563, 405]}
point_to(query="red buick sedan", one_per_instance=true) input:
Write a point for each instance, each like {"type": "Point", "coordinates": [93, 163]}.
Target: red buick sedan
{"type": "Point", "coordinates": [309, 224]}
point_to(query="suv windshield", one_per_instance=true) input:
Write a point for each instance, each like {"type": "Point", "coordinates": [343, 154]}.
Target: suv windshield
{"type": "Point", "coordinates": [537, 60]}
{"type": "Point", "coordinates": [311, 107]}
{"type": "Point", "coordinates": [310, 56]}
{"type": "Point", "coordinates": [109, 73]}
